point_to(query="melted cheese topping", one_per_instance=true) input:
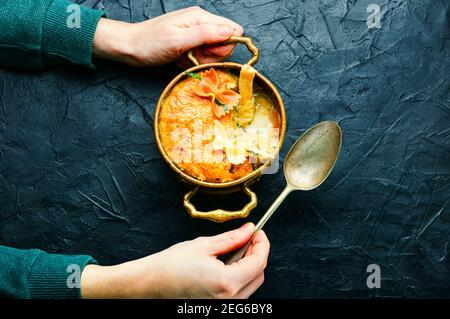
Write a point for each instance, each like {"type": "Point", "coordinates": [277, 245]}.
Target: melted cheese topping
{"type": "Point", "coordinates": [205, 146]}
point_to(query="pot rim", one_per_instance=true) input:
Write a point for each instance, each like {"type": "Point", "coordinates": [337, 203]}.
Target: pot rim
{"type": "Point", "coordinates": [183, 174]}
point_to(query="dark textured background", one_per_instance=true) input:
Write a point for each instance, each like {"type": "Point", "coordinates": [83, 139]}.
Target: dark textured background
{"type": "Point", "coordinates": [80, 171]}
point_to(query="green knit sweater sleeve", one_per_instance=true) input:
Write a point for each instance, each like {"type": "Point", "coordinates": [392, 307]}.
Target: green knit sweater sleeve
{"type": "Point", "coordinates": [36, 274]}
{"type": "Point", "coordinates": [35, 33]}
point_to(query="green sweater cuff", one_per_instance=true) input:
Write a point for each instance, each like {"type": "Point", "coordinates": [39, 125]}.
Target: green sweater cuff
{"type": "Point", "coordinates": [55, 276]}
{"type": "Point", "coordinates": [68, 33]}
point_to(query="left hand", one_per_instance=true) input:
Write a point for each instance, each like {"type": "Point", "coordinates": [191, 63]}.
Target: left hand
{"type": "Point", "coordinates": [166, 38]}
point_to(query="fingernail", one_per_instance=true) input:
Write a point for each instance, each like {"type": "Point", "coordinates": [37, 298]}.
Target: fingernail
{"type": "Point", "coordinates": [225, 30]}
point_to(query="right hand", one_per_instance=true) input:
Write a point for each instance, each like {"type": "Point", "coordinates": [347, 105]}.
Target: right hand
{"type": "Point", "coordinates": [186, 270]}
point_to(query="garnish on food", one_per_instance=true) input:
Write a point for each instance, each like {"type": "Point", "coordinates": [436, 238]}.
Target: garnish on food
{"type": "Point", "coordinates": [193, 75]}
{"type": "Point", "coordinates": [209, 145]}
{"type": "Point", "coordinates": [222, 100]}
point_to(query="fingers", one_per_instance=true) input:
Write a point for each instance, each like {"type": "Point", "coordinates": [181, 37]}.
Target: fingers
{"type": "Point", "coordinates": [203, 58]}
{"type": "Point", "coordinates": [231, 240]}
{"type": "Point", "coordinates": [202, 27]}
{"type": "Point", "coordinates": [205, 17]}
{"type": "Point", "coordinates": [188, 17]}
{"type": "Point", "coordinates": [252, 265]}
{"type": "Point", "coordinates": [215, 53]}
{"type": "Point", "coordinates": [219, 50]}
{"type": "Point", "coordinates": [242, 278]}
{"type": "Point", "coordinates": [194, 27]}
{"type": "Point", "coordinates": [249, 250]}
{"type": "Point", "coordinates": [251, 287]}
{"type": "Point", "coordinates": [196, 15]}
{"type": "Point", "coordinates": [201, 34]}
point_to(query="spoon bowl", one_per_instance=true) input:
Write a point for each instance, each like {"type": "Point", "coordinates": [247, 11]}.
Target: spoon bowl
{"type": "Point", "coordinates": [307, 165]}
{"type": "Point", "coordinates": [312, 157]}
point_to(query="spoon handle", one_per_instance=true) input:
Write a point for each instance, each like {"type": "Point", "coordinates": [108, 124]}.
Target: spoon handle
{"type": "Point", "coordinates": [238, 254]}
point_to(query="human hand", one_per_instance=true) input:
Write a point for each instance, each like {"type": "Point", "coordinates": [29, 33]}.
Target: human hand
{"type": "Point", "coordinates": [186, 270]}
{"type": "Point", "coordinates": [166, 38]}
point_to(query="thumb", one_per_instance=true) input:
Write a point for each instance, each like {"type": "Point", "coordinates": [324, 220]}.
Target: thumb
{"type": "Point", "coordinates": [231, 240]}
{"type": "Point", "coordinates": [201, 34]}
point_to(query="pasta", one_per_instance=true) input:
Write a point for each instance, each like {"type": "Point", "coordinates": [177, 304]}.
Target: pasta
{"type": "Point", "coordinates": [205, 124]}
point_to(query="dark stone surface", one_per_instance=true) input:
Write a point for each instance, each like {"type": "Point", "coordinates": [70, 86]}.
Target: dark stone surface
{"type": "Point", "coordinates": [80, 171]}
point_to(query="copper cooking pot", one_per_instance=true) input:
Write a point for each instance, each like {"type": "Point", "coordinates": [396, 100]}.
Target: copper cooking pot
{"type": "Point", "coordinates": [242, 184]}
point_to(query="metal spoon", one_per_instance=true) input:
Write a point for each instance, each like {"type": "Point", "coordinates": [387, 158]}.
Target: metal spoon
{"type": "Point", "coordinates": [308, 163]}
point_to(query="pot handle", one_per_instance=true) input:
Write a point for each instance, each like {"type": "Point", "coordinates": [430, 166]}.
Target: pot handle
{"type": "Point", "coordinates": [232, 40]}
{"type": "Point", "coordinates": [220, 215]}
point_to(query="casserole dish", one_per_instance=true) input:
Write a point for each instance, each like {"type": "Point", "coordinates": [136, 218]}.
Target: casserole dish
{"type": "Point", "coordinates": [243, 182]}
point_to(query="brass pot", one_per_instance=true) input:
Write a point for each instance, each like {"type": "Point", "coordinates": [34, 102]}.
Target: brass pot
{"type": "Point", "coordinates": [221, 215]}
